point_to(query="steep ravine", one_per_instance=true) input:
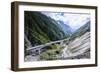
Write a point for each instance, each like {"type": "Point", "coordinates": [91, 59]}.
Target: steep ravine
{"type": "Point", "coordinates": [42, 30]}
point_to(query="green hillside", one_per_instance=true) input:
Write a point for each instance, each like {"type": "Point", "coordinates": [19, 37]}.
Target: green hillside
{"type": "Point", "coordinates": [83, 29]}
{"type": "Point", "coordinates": [40, 29]}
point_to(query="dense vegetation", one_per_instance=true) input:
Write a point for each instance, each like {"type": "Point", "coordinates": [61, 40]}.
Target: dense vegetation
{"type": "Point", "coordinates": [50, 52]}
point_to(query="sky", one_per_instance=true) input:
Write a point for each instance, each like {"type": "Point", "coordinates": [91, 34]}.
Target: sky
{"type": "Point", "coordinates": [74, 20]}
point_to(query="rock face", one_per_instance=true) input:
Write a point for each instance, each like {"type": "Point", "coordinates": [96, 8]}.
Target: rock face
{"type": "Point", "coordinates": [79, 44]}
{"type": "Point", "coordinates": [80, 47]}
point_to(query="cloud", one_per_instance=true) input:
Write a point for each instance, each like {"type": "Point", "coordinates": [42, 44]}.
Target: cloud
{"type": "Point", "coordinates": [72, 19]}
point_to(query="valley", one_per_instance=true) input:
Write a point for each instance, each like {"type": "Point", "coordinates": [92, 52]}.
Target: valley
{"type": "Point", "coordinates": [47, 39]}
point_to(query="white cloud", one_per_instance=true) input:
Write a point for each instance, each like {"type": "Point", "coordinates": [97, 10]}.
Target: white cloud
{"type": "Point", "coordinates": [72, 19]}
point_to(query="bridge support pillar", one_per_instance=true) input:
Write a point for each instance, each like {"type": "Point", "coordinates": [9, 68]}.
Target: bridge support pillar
{"type": "Point", "coordinates": [39, 51]}
{"type": "Point", "coordinates": [61, 43]}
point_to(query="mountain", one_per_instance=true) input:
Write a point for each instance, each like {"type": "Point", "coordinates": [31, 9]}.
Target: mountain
{"type": "Point", "coordinates": [40, 29]}
{"type": "Point", "coordinates": [82, 30]}
{"type": "Point", "coordinates": [66, 28]}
